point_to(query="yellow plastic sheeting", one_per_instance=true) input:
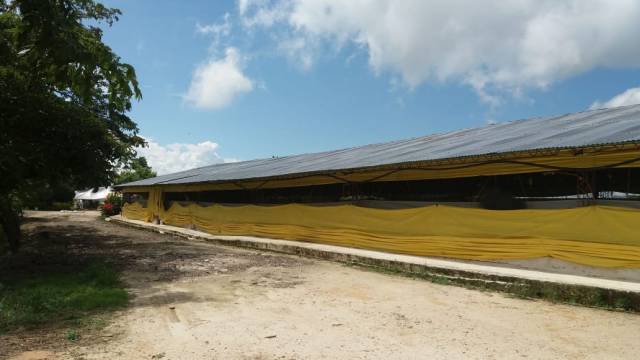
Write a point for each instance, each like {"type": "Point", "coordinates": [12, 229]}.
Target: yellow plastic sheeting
{"type": "Point", "coordinates": [596, 236]}
{"type": "Point", "coordinates": [135, 211]}
{"type": "Point", "coordinates": [155, 204]}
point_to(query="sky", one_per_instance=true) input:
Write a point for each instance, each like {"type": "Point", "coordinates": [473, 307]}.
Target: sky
{"type": "Point", "coordinates": [238, 80]}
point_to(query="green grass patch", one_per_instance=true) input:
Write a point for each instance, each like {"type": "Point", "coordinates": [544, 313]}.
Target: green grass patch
{"type": "Point", "coordinates": [72, 335]}
{"type": "Point", "coordinates": [520, 288]}
{"type": "Point", "coordinates": [60, 296]}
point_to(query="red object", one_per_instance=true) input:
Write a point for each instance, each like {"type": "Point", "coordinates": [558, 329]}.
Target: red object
{"type": "Point", "coordinates": [107, 206]}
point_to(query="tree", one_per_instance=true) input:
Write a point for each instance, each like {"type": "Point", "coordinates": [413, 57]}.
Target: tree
{"type": "Point", "coordinates": [64, 98]}
{"type": "Point", "coordinates": [138, 169]}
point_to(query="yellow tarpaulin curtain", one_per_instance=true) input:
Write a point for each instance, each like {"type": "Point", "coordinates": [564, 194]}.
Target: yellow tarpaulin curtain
{"type": "Point", "coordinates": [155, 203]}
{"type": "Point", "coordinates": [595, 235]}
{"type": "Point", "coordinates": [135, 211]}
{"type": "Point", "coordinates": [153, 210]}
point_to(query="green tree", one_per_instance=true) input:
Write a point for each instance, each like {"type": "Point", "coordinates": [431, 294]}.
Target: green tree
{"type": "Point", "coordinates": [137, 169]}
{"type": "Point", "coordinates": [64, 98]}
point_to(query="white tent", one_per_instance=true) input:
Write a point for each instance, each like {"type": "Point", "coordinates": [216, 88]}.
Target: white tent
{"type": "Point", "coordinates": [99, 195]}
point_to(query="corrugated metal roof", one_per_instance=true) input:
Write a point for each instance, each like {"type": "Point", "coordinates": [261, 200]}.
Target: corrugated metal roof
{"type": "Point", "coordinates": [604, 126]}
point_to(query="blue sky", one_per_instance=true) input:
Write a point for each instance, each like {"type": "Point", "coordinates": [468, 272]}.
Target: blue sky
{"type": "Point", "coordinates": [227, 80]}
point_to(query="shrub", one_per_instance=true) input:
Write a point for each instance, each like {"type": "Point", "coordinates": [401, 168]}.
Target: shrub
{"type": "Point", "coordinates": [57, 206]}
{"type": "Point", "coordinates": [112, 205]}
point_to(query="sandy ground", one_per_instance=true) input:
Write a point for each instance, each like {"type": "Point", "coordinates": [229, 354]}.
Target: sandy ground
{"type": "Point", "coordinates": [199, 301]}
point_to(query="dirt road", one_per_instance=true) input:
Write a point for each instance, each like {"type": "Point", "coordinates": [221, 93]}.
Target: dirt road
{"type": "Point", "coordinates": [199, 301]}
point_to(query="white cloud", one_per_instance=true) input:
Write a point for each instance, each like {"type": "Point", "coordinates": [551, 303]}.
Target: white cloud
{"type": "Point", "coordinates": [216, 83]}
{"type": "Point", "coordinates": [166, 159]}
{"type": "Point", "coordinates": [496, 49]}
{"type": "Point", "coordinates": [263, 12]}
{"type": "Point", "coordinates": [628, 97]}
{"type": "Point", "coordinates": [243, 5]}
{"type": "Point", "coordinates": [223, 28]}
{"type": "Point", "coordinates": [217, 30]}
{"type": "Point", "coordinates": [298, 51]}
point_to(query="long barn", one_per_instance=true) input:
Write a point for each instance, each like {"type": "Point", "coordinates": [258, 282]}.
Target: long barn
{"type": "Point", "coordinates": [564, 186]}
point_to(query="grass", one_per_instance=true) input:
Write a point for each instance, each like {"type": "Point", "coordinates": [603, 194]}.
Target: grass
{"type": "Point", "coordinates": [72, 335]}
{"type": "Point", "coordinates": [525, 289]}
{"type": "Point", "coordinates": [60, 296]}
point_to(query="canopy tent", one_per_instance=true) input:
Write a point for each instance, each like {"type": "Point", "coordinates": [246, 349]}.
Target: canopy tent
{"type": "Point", "coordinates": [99, 194]}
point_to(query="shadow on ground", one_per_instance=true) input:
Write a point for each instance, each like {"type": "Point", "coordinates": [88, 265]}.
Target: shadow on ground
{"type": "Point", "coordinates": [67, 243]}
{"type": "Point", "coordinates": [62, 244]}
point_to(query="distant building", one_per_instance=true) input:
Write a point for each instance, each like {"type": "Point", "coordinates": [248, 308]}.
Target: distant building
{"type": "Point", "coordinates": [91, 198]}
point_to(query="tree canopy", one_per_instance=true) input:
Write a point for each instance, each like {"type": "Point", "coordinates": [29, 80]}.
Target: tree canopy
{"type": "Point", "coordinates": [137, 169]}
{"type": "Point", "coordinates": [64, 98]}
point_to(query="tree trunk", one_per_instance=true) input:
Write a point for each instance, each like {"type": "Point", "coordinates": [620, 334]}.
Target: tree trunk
{"type": "Point", "coordinates": [10, 221]}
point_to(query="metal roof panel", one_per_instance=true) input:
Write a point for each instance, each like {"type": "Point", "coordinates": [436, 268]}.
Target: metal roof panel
{"type": "Point", "coordinates": [603, 126]}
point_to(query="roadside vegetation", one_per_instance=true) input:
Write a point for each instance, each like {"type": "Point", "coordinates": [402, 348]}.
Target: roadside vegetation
{"type": "Point", "coordinates": [520, 288]}
{"type": "Point", "coordinates": [112, 205]}
{"type": "Point", "coordinates": [60, 296]}
{"type": "Point", "coordinates": [65, 98]}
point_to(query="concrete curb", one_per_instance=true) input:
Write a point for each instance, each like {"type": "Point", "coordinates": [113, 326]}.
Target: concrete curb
{"type": "Point", "coordinates": [574, 289]}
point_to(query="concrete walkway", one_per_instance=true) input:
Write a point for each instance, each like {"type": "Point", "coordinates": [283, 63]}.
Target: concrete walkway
{"type": "Point", "coordinates": [405, 263]}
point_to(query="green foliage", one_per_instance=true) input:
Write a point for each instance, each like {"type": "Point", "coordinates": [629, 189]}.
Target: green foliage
{"type": "Point", "coordinates": [72, 335]}
{"type": "Point", "coordinates": [521, 288]}
{"type": "Point", "coordinates": [47, 197]}
{"type": "Point", "coordinates": [137, 169]}
{"type": "Point", "coordinates": [55, 297]}
{"type": "Point", "coordinates": [57, 206]}
{"type": "Point", "coordinates": [112, 205]}
{"type": "Point", "coordinates": [3, 243]}
{"type": "Point", "coordinates": [64, 98]}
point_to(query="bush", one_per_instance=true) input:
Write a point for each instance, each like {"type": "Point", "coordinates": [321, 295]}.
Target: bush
{"type": "Point", "coordinates": [112, 205]}
{"type": "Point", "coordinates": [57, 206]}
{"type": "Point", "coordinates": [46, 197]}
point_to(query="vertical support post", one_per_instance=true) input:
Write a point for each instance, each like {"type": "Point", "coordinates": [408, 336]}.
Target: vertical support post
{"type": "Point", "coordinates": [594, 185]}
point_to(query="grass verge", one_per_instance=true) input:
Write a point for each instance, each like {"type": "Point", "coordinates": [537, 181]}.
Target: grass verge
{"type": "Point", "coordinates": [520, 288]}
{"type": "Point", "coordinates": [62, 296]}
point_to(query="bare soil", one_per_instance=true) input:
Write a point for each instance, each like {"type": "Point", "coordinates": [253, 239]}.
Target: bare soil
{"type": "Point", "coordinates": [193, 300]}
